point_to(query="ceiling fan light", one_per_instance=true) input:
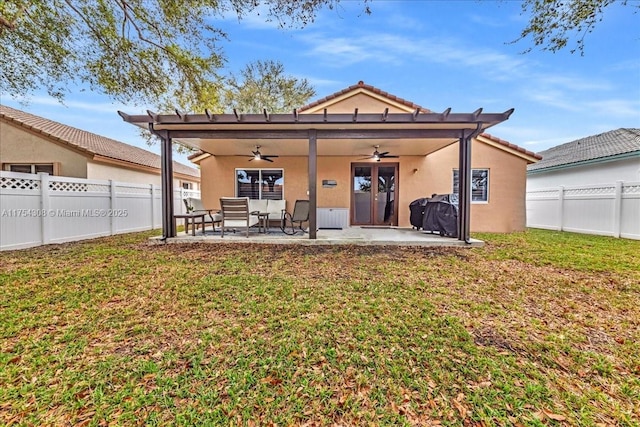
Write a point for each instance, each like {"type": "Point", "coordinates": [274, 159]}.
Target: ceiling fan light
{"type": "Point", "coordinates": [376, 157]}
{"type": "Point", "coordinates": [256, 157]}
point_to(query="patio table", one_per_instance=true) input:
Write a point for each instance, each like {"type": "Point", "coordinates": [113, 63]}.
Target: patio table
{"type": "Point", "coordinates": [191, 218]}
{"type": "Point", "coordinates": [263, 221]}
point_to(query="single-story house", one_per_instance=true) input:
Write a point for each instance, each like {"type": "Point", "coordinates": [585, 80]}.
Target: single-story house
{"type": "Point", "coordinates": [361, 154]}
{"type": "Point", "coordinates": [33, 144]}
{"type": "Point", "coordinates": [598, 159]}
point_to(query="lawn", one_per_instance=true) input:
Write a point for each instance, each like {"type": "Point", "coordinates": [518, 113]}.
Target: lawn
{"type": "Point", "coordinates": [536, 328]}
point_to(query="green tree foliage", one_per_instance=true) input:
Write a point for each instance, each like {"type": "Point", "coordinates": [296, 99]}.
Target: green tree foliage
{"type": "Point", "coordinates": [260, 85]}
{"type": "Point", "coordinates": [132, 50]}
{"type": "Point", "coordinates": [554, 23]}
{"type": "Point", "coordinates": [264, 85]}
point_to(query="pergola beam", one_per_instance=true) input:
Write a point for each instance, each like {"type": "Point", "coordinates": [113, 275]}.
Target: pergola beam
{"type": "Point", "coordinates": [415, 118]}
{"type": "Point", "coordinates": [322, 134]}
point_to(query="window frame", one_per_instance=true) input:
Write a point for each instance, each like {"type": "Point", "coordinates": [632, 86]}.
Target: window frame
{"type": "Point", "coordinates": [260, 187]}
{"type": "Point", "coordinates": [455, 190]}
{"type": "Point", "coordinates": [54, 167]}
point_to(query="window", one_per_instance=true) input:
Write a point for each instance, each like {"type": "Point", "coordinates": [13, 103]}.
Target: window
{"type": "Point", "coordinates": [479, 184]}
{"type": "Point", "coordinates": [187, 185]}
{"type": "Point", "coordinates": [265, 184]}
{"type": "Point", "coordinates": [30, 168]}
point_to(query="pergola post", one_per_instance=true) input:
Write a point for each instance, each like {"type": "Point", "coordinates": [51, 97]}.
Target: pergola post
{"type": "Point", "coordinates": [464, 188]}
{"type": "Point", "coordinates": [166, 180]}
{"type": "Point", "coordinates": [313, 183]}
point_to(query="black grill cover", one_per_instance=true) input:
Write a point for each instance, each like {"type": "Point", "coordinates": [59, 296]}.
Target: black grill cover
{"type": "Point", "coordinates": [441, 215]}
{"type": "Point", "coordinates": [416, 212]}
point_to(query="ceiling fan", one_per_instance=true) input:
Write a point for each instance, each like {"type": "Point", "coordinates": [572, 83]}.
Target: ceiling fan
{"type": "Point", "coordinates": [377, 155]}
{"type": "Point", "coordinates": [257, 155]}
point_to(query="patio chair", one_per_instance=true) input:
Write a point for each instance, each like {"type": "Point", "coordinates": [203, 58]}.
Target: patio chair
{"type": "Point", "coordinates": [235, 214]}
{"type": "Point", "coordinates": [194, 205]}
{"type": "Point", "coordinates": [300, 215]}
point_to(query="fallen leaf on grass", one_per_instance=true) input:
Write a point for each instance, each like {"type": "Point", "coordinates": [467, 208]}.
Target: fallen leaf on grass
{"type": "Point", "coordinates": [552, 416]}
{"type": "Point", "coordinates": [271, 380]}
{"type": "Point", "coordinates": [458, 405]}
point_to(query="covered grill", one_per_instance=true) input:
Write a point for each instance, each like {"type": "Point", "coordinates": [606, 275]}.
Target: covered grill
{"type": "Point", "coordinates": [437, 214]}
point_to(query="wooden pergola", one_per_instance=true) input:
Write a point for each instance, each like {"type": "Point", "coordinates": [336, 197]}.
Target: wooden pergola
{"type": "Point", "coordinates": [433, 130]}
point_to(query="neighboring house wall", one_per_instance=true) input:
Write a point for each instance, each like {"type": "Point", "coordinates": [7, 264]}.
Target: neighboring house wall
{"type": "Point", "coordinates": [23, 146]}
{"type": "Point", "coordinates": [101, 171]}
{"type": "Point", "coordinates": [97, 170]}
{"type": "Point", "coordinates": [18, 145]}
{"type": "Point", "coordinates": [596, 173]}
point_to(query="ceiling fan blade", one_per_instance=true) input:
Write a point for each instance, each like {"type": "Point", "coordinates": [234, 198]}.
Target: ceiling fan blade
{"type": "Point", "coordinates": [267, 160]}
{"type": "Point", "coordinates": [270, 155]}
{"type": "Point", "coordinates": [366, 158]}
{"type": "Point", "coordinates": [390, 157]}
{"type": "Point", "coordinates": [383, 154]}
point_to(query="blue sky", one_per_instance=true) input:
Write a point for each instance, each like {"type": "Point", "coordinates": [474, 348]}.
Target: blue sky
{"type": "Point", "coordinates": [438, 54]}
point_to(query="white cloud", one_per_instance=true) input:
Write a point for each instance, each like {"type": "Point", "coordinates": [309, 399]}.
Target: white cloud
{"type": "Point", "coordinates": [617, 107]}
{"type": "Point", "coordinates": [554, 98]}
{"type": "Point", "coordinates": [316, 81]}
{"type": "Point", "coordinates": [98, 107]}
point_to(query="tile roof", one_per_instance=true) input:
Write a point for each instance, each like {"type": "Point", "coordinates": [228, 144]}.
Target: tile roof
{"type": "Point", "coordinates": [90, 142]}
{"type": "Point", "coordinates": [510, 145]}
{"type": "Point", "coordinates": [363, 85]}
{"type": "Point", "coordinates": [601, 146]}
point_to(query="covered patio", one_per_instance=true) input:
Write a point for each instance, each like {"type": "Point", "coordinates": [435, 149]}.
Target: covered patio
{"type": "Point", "coordinates": [321, 134]}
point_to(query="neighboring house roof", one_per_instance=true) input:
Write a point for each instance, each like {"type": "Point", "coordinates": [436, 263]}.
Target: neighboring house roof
{"type": "Point", "coordinates": [90, 143]}
{"type": "Point", "coordinates": [596, 148]}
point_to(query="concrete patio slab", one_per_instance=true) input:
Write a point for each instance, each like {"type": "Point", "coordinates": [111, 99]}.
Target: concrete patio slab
{"type": "Point", "coordinates": [393, 236]}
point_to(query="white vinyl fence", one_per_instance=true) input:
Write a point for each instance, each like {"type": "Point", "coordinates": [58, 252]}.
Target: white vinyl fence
{"type": "Point", "coordinates": [40, 209]}
{"type": "Point", "coordinates": [608, 209]}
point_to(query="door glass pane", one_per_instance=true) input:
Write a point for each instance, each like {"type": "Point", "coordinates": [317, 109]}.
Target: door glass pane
{"type": "Point", "coordinates": [362, 194]}
{"type": "Point", "coordinates": [386, 194]}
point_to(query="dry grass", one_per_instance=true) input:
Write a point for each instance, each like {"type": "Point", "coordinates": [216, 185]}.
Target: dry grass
{"type": "Point", "coordinates": [537, 328]}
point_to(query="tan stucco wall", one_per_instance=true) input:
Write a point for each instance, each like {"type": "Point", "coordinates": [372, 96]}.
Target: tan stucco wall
{"type": "Point", "coordinates": [18, 145]}
{"type": "Point", "coordinates": [506, 210]}
{"type": "Point", "coordinates": [365, 103]}
{"type": "Point", "coordinates": [418, 177]}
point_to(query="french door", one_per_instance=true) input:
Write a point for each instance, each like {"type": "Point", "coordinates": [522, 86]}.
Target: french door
{"type": "Point", "coordinates": [374, 192]}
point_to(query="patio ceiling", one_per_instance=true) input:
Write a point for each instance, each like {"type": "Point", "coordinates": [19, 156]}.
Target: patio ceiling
{"type": "Point", "coordinates": [403, 134]}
